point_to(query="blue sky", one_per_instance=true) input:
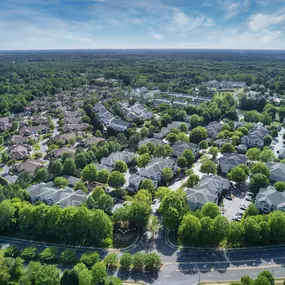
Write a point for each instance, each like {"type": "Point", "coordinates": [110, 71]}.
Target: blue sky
{"type": "Point", "coordinates": [92, 24]}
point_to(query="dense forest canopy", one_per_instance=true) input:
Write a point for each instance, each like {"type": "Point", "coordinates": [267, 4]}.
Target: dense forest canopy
{"type": "Point", "coordinates": [25, 75]}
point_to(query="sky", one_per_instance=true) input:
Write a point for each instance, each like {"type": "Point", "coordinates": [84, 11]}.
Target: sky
{"type": "Point", "coordinates": [139, 24]}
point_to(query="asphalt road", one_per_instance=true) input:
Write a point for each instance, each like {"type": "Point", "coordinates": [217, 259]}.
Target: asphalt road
{"type": "Point", "coordinates": [187, 266]}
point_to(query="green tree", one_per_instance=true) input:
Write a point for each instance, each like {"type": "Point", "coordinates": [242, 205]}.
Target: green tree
{"type": "Point", "coordinates": [246, 280]}
{"type": "Point", "coordinates": [98, 134]}
{"type": "Point", "coordinates": [99, 273]}
{"type": "Point", "coordinates": [252, 230]}
{"type": "Point", "coordinates": [143, 149]}
{"type": "Point", "coordinates": [80, 186]}
{"type": "Point", "coordinates": [152, 261]}
{"type": "Point", "coordinates": [266, 274]}
{"type": "Point", "coordinates": [166, 174]}
{"type": "Point", "coordinates": [89, 173]}
{"type": "Point", "coordinates": [198, 134]}
{"type": "Point", "coordinates": [236, 233]}
{"type": "Point", "coordinates": [69, 277]}
{"type": "Point", "coordinates": [41, 274]}
{"type": "Point", "coordinates": [121, 166]}
{"type": "Point", "coordinates": [103, 176]}
{"type": "Point", "coordinates": [221, 229]}
{"type": "Point", "coordinates": [144, 132]}
{"type": "Point", "coordinates": [48, 254]}
{"type": "Point", "coordinates": [192, 180]}
{"type": "Point", "coordinates": [89, 258]}
{"type": "Point", "coordinates": [29, 253]}
{"type": "Point", "coordinates": [258, 181]}
{"type": "Point", "coordinates": [280, 186]}
{"type": "Point", "coordinates": [189, 230]}
{"type": "Point", "coordinates": [143, 160]}
{"type": "Point", "coordinates": [227, 148]}
{"type": "Point", "coordinates": [267, 140]}
{"type": "Point", "coordinates": [264, 232]}
{"type": "Point", "coordinates": [237, 174]}
{"type": "Point", "coordinates": [182, 162]}
{"type": "Point", "coordinates": [206, 233]}
{"type": "Point", "coordinates": [138, 261]}
{"type": "Point", "coordinates": [11, 251]}
{"type": "Point", "coordinates": [7, 215]}
{"type": "Point", "coordinates": [69, 166]}
{"type": "Point", "coordinates": [253, 153]}
{"type": "Point", "coordinates": [260, 167]}
{"type": "Point", "coordinates": [267, 155]}
{"type": "Point", "coordinates": [126, 260]}
{"type": "Point", "coordinates": [172, 138]}
{"type": "Point", "coordinates": [162, 192]}
{"type": "Point", "coordinates": [252, 210]}
{"type": "Point", "coordinates": [190, 158]}
{"type": "Point", "coordinates": [24, 179]}
{"type": "Point", "coordinates": [210, 210]}
{"type": "Point", "coordinates": [116, 179]}
{"type": "Point", "coordinates": [111, 260]}
{"type": "Point", "coordinates": [214, 151]}
{"type": "Point", "coordinates": [56, 167]}
{"type": "Point", "coordinates": [203, 145]}
{"type": "Point", "coordinates": [140, 212]}
{"type": "Point", "coordinates": [68, 256]}
{"type": "Point", "coordinates": [41, 175]}
{"type": "Point", "coordinates": [148, 185]}
{"type": "Point", "coordinates": [80, 160]}
{"type": "Point", "coordinates": [195, 121]}
{"type": "Point", "coordinates": [4, 156]}
{"type": "Point", "coordinates": [165, 120]}
{"type": "Point", "coordinates": [183, 128]}
{"type": "Point", "coordinates": [172, 209]}
{"type": "Point", "coordinates": [277, 226]}
{"type": "Point", "coordinates": [60, 182]}
{"type": "Point", "coordinates": [208, 167]}
{"type": "Point", "coordinates": [84, 274]}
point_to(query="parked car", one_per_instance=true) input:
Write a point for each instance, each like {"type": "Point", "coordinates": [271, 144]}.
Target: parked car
{"type": "Point", "coordinates": [248, 198]}
{"type": "Point", "coordinates": [236, 218]}
{"type": "Point", "coordinates": [229, 197]}
{"type": "Point", "coordinates": [243, 207]}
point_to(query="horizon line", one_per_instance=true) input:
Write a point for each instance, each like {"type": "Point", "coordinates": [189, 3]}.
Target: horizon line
{"type": "Point", "coordinates": [115, 49]}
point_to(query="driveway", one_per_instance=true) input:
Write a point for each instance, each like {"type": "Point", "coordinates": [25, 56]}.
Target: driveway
{"type": "Point", "coordinates": [178, 184]}
{"type": "Point", "coordinates": [231, 207]}
{"type": "Point", "coordinates": [55, 131]}
{"type": "Point", "coordinates": [278, 142]}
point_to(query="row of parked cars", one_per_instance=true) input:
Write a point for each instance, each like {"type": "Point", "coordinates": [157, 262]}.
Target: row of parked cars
{"type": "Point", "coordinates": [239, 215]}
{"type": "Point", "coordinates": [243, 207]}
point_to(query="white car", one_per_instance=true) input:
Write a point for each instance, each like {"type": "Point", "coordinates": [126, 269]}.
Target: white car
{"type": "Point", "coordinates": [248, 198]}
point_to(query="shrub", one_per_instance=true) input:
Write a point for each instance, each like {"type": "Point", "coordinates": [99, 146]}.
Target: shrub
{"type": "Point", "coordinates": [29, 253]}
{"type": "Point", "coordinates": [68, 256]}
{"type": "Point", "coordinates": [48, 254]}
{"type": "Point", "coordinates": [89, 258]}
{"type": "Point", "coordinates": [11, 251]}
{"type": "Point", "coordinates": [60, 182]}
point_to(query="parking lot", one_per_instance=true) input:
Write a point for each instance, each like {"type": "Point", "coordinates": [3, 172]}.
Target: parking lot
{"type": "Point", "coordinates": [231, 207]}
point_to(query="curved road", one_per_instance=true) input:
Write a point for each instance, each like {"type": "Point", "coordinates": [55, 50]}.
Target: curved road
{"type": "Point", "coordinates": [189, 266]}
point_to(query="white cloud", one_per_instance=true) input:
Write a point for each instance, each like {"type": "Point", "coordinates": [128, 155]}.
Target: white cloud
{"type": "Point", "coordinates": [183, 23]}
{"type": "Point", "coordinates": [158, 37]}
{"type": "Point", "coordinates": [232, 10]}
{"type": "Point", "coordinates": [261, 21]}
{"type": "Point", "coordinates": [209, 22]}
{"type": "Point", "coordinates": [234, 7]}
